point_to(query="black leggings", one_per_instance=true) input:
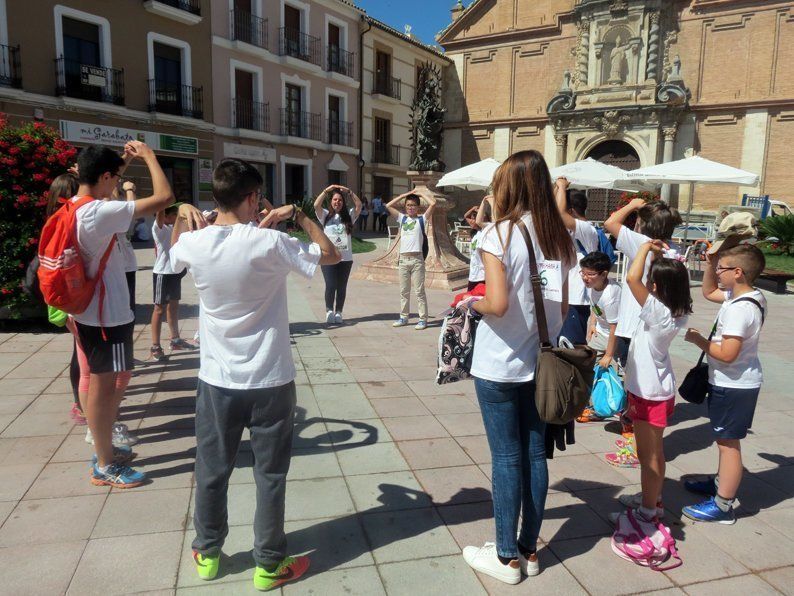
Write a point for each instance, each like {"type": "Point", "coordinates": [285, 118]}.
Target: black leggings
{"type": "Point", "coordinates": [74, 374]}
{"type": "Point", "coordinates": [336, 277]}
{"type": "Point", "coordinates": [131, 287]}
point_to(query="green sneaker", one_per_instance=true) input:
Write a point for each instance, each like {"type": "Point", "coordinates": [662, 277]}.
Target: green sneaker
{"type": "Point", "coordinates": [207, 565]}
{"type": "Point", "coordinates": [291, 568]}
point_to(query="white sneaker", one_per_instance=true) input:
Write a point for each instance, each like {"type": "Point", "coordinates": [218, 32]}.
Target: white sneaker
{"type": "Point", "coordinates": [635, 502]}
{"type": "Point", "coordinates": [338, 318]}
{"type": "Point", "coordinates": [530, 566]}
{"type": "Point", "coordinates": [485, 560]}
{"type": "Point", "coordinates": [122, 436]}
{"type": "Point", "coordinates": [329, 317]}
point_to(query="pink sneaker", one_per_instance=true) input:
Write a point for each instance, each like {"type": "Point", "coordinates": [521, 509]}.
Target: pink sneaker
{"type": "Point", "coordinates": [77, 415]}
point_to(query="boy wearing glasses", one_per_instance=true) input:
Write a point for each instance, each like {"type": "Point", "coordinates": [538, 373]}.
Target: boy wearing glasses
{"type": "Point", "coordinates": [734, 371]}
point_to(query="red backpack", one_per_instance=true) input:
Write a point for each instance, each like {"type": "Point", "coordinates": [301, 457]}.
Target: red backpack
{"type": "Point", "coordinates": [62, 274]}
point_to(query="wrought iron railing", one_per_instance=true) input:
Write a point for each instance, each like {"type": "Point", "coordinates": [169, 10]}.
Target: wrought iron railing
{"type": "Point", "coordinates": [10, 67]}
{"type": "Point", "coordinates": [339, 60]}
{"type": "Point", "coordinates": [386, 85]}
{"type": "Point", "coordinates": [383, 153]}
{"type": "Point", "coordinates": [292, 42]}
{"type": "Point", "coordinates": [253, 115]}
{"type": "Point", "coordinates": [248, 28]}
{"type": "Point", "coordinates": [191, 6]}
{"type": "Point", "coordinates": [177, 99]}
{"type": "Point", "coordinates": [339, 133]}
{"type": "Point", "coordinates": [86, 81]}
{"type": "Point", "coordinates": [300, 124]}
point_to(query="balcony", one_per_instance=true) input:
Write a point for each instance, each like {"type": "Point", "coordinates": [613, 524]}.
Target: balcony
{"type": "Point", "coordinates": [300, 124]}
{"type": "Point", "coordinates": [384, 153]}
{"type": "Point", "coordinates": [340, 61]}
{"type": "Point", "coordinates": [187, 12]}
{"type": "Point", "coordinates": [339, 133]}
{"type": "Point", "coordinates": [251, 115]}
{"type": "Point", "coordinates": [10, 68]}
{"type": "Point", "coordinates": [86, 81]}
{"type": "Point", "coordinates": [172, 98]}
{"type": "Point", "coordinates": [292, 42]}
{"type": "Point", "coordinates": [386, 85]}
{"type": "Point", "coordinates": [248, 28]}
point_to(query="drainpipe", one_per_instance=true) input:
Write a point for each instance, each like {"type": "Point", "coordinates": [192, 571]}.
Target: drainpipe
{"type": "Point", "coordinates": [361, 107]}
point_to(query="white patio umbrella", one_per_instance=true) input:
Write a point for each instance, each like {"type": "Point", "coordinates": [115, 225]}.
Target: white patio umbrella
{"type": "Point", "coordinates": [476, 176]}
{"type": "Point", "coordinates": [693, 170]}
{"type": "Point", "coordinates": [591, 173]}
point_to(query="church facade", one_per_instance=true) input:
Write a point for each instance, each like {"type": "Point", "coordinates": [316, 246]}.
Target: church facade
{"type": "Point", "coordinates": [628, 82]}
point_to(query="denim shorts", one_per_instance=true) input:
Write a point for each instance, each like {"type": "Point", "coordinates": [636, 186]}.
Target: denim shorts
{"type": "Point", "coordinates": [731, 411]}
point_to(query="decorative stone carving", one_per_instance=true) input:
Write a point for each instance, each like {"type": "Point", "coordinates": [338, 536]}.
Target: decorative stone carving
{"type": "Point", "coordinates": [618, 6]}
{"type": "Point", "coordinates": [616, 58]}
{"type": "Point", "coordinates": [583, 57]}
{"type": "Point", "coordinates": [669, 132]}
{"type": "Point", "coordinates": [670, 37]}
{"type": "Point", "coordinates": [651, 69]}
{"type": "Point", "coordinates": [673, 91]}
{"type": "Point", "coordinates": [565, 98]}
{"type": "Point", "coordinates": [612, 122]}
{"type": "Point", "coordinates": [561, 139]}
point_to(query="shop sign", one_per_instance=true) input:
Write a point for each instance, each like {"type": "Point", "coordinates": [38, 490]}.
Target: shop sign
{"type": "Point", "coordinates": [249, 152]}
{"type": "Point", "coordinates": [85, 132]}
{"type": "Point", "coordinates": [93, 76]}
{"type": "Point", "coordinates": [178, 144]}
{"type": "Point", "coordinates": [205, 174]}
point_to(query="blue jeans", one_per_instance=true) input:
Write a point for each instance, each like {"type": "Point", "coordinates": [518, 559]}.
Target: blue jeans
{"type": "Point", "coordinates": [520, 477]}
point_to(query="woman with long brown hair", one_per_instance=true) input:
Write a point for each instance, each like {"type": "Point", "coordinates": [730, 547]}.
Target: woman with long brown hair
{"type": "Point", "coordinates": [505, 353]}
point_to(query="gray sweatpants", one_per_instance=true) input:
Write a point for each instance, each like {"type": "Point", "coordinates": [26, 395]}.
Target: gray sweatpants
{"type": "Point", "coordinates": [221, 416]}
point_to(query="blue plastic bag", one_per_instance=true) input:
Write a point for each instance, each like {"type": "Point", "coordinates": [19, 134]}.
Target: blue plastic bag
{"type": "Point", "coordinates": [608, 396]}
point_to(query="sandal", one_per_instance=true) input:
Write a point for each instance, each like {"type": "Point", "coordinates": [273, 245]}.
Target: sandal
{"type": "Point", "coordinates": [588, 415]}
{"type": "Point", "coordinates": [623, 458]}
{"type": "Point", "coordinates": [626, 443]}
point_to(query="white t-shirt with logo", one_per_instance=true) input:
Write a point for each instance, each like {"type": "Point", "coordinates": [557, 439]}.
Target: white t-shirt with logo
{"type": "Point", "coordinates": [411, 239]}
{"type": "Point", "coordinates": [97, 224]}
{"type": "Point", "coordinates": [507, 347]}
{"type": "Point", "coordinates": [130, 262]}
{"type": "Point", "coordinates": [162, 244]}
{"type": "Point", "coordinates": [476, 268]}
{"type": "Point", "coordinates": [587, 236]}
{"type": "Point", "coordinates": [739, 319]}
{"type": "Point", "coordinates": [605, 306]}
{"type": "Point", "coordinates": [649, 371]}
{"type": "Point", "coordinates": [336, 231]}
{"type": "Point", "coordinates": [240, 273]}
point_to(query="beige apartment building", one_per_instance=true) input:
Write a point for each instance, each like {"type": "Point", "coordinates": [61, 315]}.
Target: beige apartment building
{"type": "Point", "coordinates": [391, 61]}
{"type": "Point", "coordinates": [107, 72]}
{"type": "Point", "coordinates": [285, 91]}
{"type": "Point", "coordinates": [630, 82]}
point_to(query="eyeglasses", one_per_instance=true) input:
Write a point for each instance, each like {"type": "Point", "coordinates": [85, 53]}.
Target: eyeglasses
{"type": "Point", "coordinates": [589, 274]}
{"type": "Point", "coordinates": [719, 270]}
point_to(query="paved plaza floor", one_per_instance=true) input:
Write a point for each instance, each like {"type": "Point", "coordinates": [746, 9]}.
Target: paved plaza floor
{"type": "Point", "coordinates": [389, 477]}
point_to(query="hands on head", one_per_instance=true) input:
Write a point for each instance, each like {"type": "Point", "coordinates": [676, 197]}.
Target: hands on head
{"type": "Point", "coordinates": [278, 214]}
{"type": "Point", "coordinates": [137, 149]}
{"type": "Point", "coordinates": [192, 216]}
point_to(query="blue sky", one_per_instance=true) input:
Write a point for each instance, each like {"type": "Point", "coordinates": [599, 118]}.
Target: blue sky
{"type": "Point", "coordinates": [426, 17]}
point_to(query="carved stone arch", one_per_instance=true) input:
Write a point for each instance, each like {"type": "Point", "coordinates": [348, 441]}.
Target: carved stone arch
{"type": "Point", "coordinates": [584, 149]}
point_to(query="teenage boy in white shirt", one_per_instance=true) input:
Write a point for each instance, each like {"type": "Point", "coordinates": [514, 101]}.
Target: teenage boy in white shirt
{"type": "Point", "coordinates": [246, 375]}
{"type": "Point", "coordinates": [105, 330]}
{"type": "Point", "coordinates": [735, 372]}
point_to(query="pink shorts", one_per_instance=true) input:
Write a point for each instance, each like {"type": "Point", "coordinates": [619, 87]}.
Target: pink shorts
{"type": "Point", "coordinates": [653, 412]}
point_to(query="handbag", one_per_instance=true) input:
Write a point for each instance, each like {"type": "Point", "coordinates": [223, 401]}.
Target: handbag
{"type": "Point", "coordinates": [456, 345]}
{"type": "Point", "coordinates": [696, 387]}
{"type": "Point", "coordinates": [563, 376]}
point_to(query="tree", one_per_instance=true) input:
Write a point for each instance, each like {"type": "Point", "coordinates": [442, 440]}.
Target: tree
{"type": "Point", "coordinates": [31, 156]}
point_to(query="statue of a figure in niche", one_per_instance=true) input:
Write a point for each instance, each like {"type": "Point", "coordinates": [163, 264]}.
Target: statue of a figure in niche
{"type": "Point", "coordinates": [616, 58]}
{"type": "Point", "coordinates": [427, 121]}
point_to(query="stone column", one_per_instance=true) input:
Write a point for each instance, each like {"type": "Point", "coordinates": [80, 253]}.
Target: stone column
{"type": "Point", "coordinates": [445, 267]}
{"type": "Point", "coordinates": [652, 65]}
{"type": "Point", "coordinates": [583, 56]}
{"type": "Point", "coordinates": [669, 142]}
{"type": "Point", "coordinates": [561, 139]}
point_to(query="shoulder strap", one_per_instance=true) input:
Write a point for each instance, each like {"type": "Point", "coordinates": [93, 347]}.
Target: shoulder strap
{"type": "Point", "coordinates": [534, 278]}
{"type": "Point", "coordinates": [754, 301]}
{"type": "Point", "coordinates": [422, 224]}
{"type": "Point", "coordinates": [581, 247]}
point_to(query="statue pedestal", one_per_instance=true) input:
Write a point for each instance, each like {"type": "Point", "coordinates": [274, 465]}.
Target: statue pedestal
{"type": "Point", "coordinates": [445, 267]}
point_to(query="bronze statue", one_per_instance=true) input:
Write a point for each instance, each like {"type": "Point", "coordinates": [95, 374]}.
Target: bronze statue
{"type": "Point", "coordinates": [427, 121]}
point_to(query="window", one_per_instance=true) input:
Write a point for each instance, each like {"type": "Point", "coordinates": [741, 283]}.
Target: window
{"type": "Point", "coordinates": [170, 83]}
{"type": "Point", "coordinates": [335, 119]}
{"type": "Point", "coordinates": [294, 182]}
{"type": "Point", "coordinates": [383, 151]}
{"type": "Point", "coordinates": [294, 105]}
{"type": "Point", "coordinates": [381, 187]}
{"type": "Point", "coordinates": [179, 172]}
{"type": "Point", "coordinates": [81, 42]}
{"type": "Point", "coordinates": [337, 177]}
{"type": "Point", "coordinates": [244, 99]}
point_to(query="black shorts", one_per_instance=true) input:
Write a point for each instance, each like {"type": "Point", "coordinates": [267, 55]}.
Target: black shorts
{"type": "Point", "coordinates": [166, 287]}
{"type": "Point", "coordinates": [731, 411]}
{"type": "Point", "coordinates": [111, 353]}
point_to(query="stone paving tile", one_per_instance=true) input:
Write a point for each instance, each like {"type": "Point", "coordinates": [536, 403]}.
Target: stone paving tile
{"type": "Point", "coordinates": [123, 558]}
{"type": "Point", "coordinates": [567, 516]}
{"type": "Point", "coordinates": [313, 499]}
{"type": "Point", "coordinates": [554, 578]}
{"type": "Point", "coordinates": [34, 450]}
{"type": "Point", "coordinates": [462, 425]}
{"type": "Point", "coordinates": [12, 405]}
{"type": "Point", "coordinates": [330, 543]}
{"type": "Point", "coordinates": [469, 523]}
{"type": "Point", "coordinates": [433, 453]}
{"type": "Point", "coordinates": [371, 459]}
{"type": "Point", "coordinates": [782, 579]}
{"type": "Point", "coordinates": [476, 447]}
{"type": "Point", "coordinates": [237, 563]}
{"type": "Point", "coordinates": [733, 586]}
{"type": "Point", "coordinates": [6, 507]}
{"type": "Point", "coordinates": [143, 512]}
{"type": "Point", "coordinates": [361, 581]}
{"type": "Point", "coordinates": [367, 362]}
{"type": "Point", "coordinates": [306, 465]}
{"type": "Point", "coordinates": [440, 575]}
{"type": "Point", "coordinates": [451, 486]}
{"type": "Point", "coordinates": [379, 389]}
{"type": "Point", "coordinates": [351, 434]}
{"type": "Point", "coordinates": [51, 520]}
{"type": "Point", "coordinates": [36, 365]}
{"type": "Point", "coordinates": [373, 374]}
{"type": "Point", "coordinates": [64, 480]}
{"type": "Point", "coordinates": [29, 424]}
{"type": "Point", "coordinates": [23, 386]}
{"type": "Point", "coordinates": [411, 373]}
{"type": "Point", "coordinates": [349, 405]}
{"type": "Point", "coordinates": [404, 535]}
{"type": "Point", "coordinates": [231, 588]}
{"type": "Point", "coordinates": [16, 479]}
{"type": "Point", "coordinates": [9, 361]}
{"type": "Point", "coordinates": [389, 491]}
{"type": "Point", "coordinates": [31, 575]}
{"type": "Point", "coordinates": [392, 407]}
{"type": "Point", "coordinates": [449, 404]}
{"type": "Point", "coordinates": [408, 428]}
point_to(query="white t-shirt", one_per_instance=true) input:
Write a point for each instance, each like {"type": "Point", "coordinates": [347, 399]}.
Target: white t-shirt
{"type": "Point", "coordinates": [587, 235]}
{"type": "Point", "coordinates": [162, 244]}
{"type": "Point", "coordinates": [97, 223]}
{"type": "Point", "coordinates": [476, 268]}
{"type": "Point", "coordinates": [739, 319]}
{"type": "Point", "coordinates": [411, 239]}
{"type": "Point", "coordinates": [507, 347]}
{"type": "Point", "coordinates": [337, 233]}
{"type": "Point", "coordinates": [130, 262]}
{"type": "Point", "coordinates": [605, 306]}
{"type": "Point", "coordinates": [240, 273]}
{"type": "Point", "coordinates": [649, 372]}
{"type": "Point", "coordinates": [377, 205]}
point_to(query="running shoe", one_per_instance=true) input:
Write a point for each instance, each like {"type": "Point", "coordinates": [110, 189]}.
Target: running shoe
{"type": "Point", "coordinates": [207, 565]}
{"type": "Point", "coordinates": [117, 476]}
{"type": "Point", "coordinates": [122, 436]}
{"type": "Point", "coordinates": [329, 317]}
{"type": "Point", "coordinates": [589, 415]}
{"type": "Point", "coordinates": [709, 511]}
{"type": "Point", "coordinates": [702, 487]}
{"type": "Point", "coordinates": [156, 353]}
{"type": "Point", "coordinates": [635, 502]}
{"type": "Point", "coordinates": [121, 455]}
{"type": "Point", "coordinates": [421, 325]}
{"type": "Point", "coordinates": [485, 560]}
{"type": "Point", "coordinates": [77, 416]}
{"type": "Point", "coordinates": [182, 344]}
{"type": "Point", "coordinates": [338, 318]}
{"type": "Point", "coordinates": [401, 322]}
{"type": "Point", "coordinates": [290, 569]}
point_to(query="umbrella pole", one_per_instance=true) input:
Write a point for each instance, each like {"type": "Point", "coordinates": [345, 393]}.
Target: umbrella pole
{"type": "Point", "coordinates": [689, 210]}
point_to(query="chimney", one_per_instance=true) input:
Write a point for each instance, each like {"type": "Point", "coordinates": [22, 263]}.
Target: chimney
{"type": "Point", "coordinates": [457, 10]}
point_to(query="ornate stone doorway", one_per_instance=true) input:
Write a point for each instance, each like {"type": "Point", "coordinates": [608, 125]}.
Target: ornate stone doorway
{"type": "Point", "coordinates": [617, 153]}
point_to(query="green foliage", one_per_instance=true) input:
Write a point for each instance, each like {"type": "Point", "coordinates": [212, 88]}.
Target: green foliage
{"type": "Point", "coordinates": [781, 228]}
{"type": "Point", "coordinates": [31, 156]}
{"type": "Point", "coordinates": [358, 244]}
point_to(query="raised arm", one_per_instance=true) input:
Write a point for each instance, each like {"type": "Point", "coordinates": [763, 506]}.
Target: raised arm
{"type": "Point", "coordinates": [318, 203]}
{"type": "Point", "coordinates": [188, 218]}
{"type": "Point", "coordinates": [330, 255]}
{"type": "Point", "coordinates": [485, 205]}
{"type": "Point", "coordinates": [356, 203]}
{"type": "Point", "coordinates": [390, 206]}
{"type": "Point", "coordinates": [431, 200]}
{"type": "Point", "coordinates": [161, 195]}
{"type": "Point", "coordinates": [561, 198]}
{"type": "Point", "coordinates": [615, 221]}
{"type": "Point", "coordinates": [711, 290]}
{"type": "Point", "coordinates": [637, 270]}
